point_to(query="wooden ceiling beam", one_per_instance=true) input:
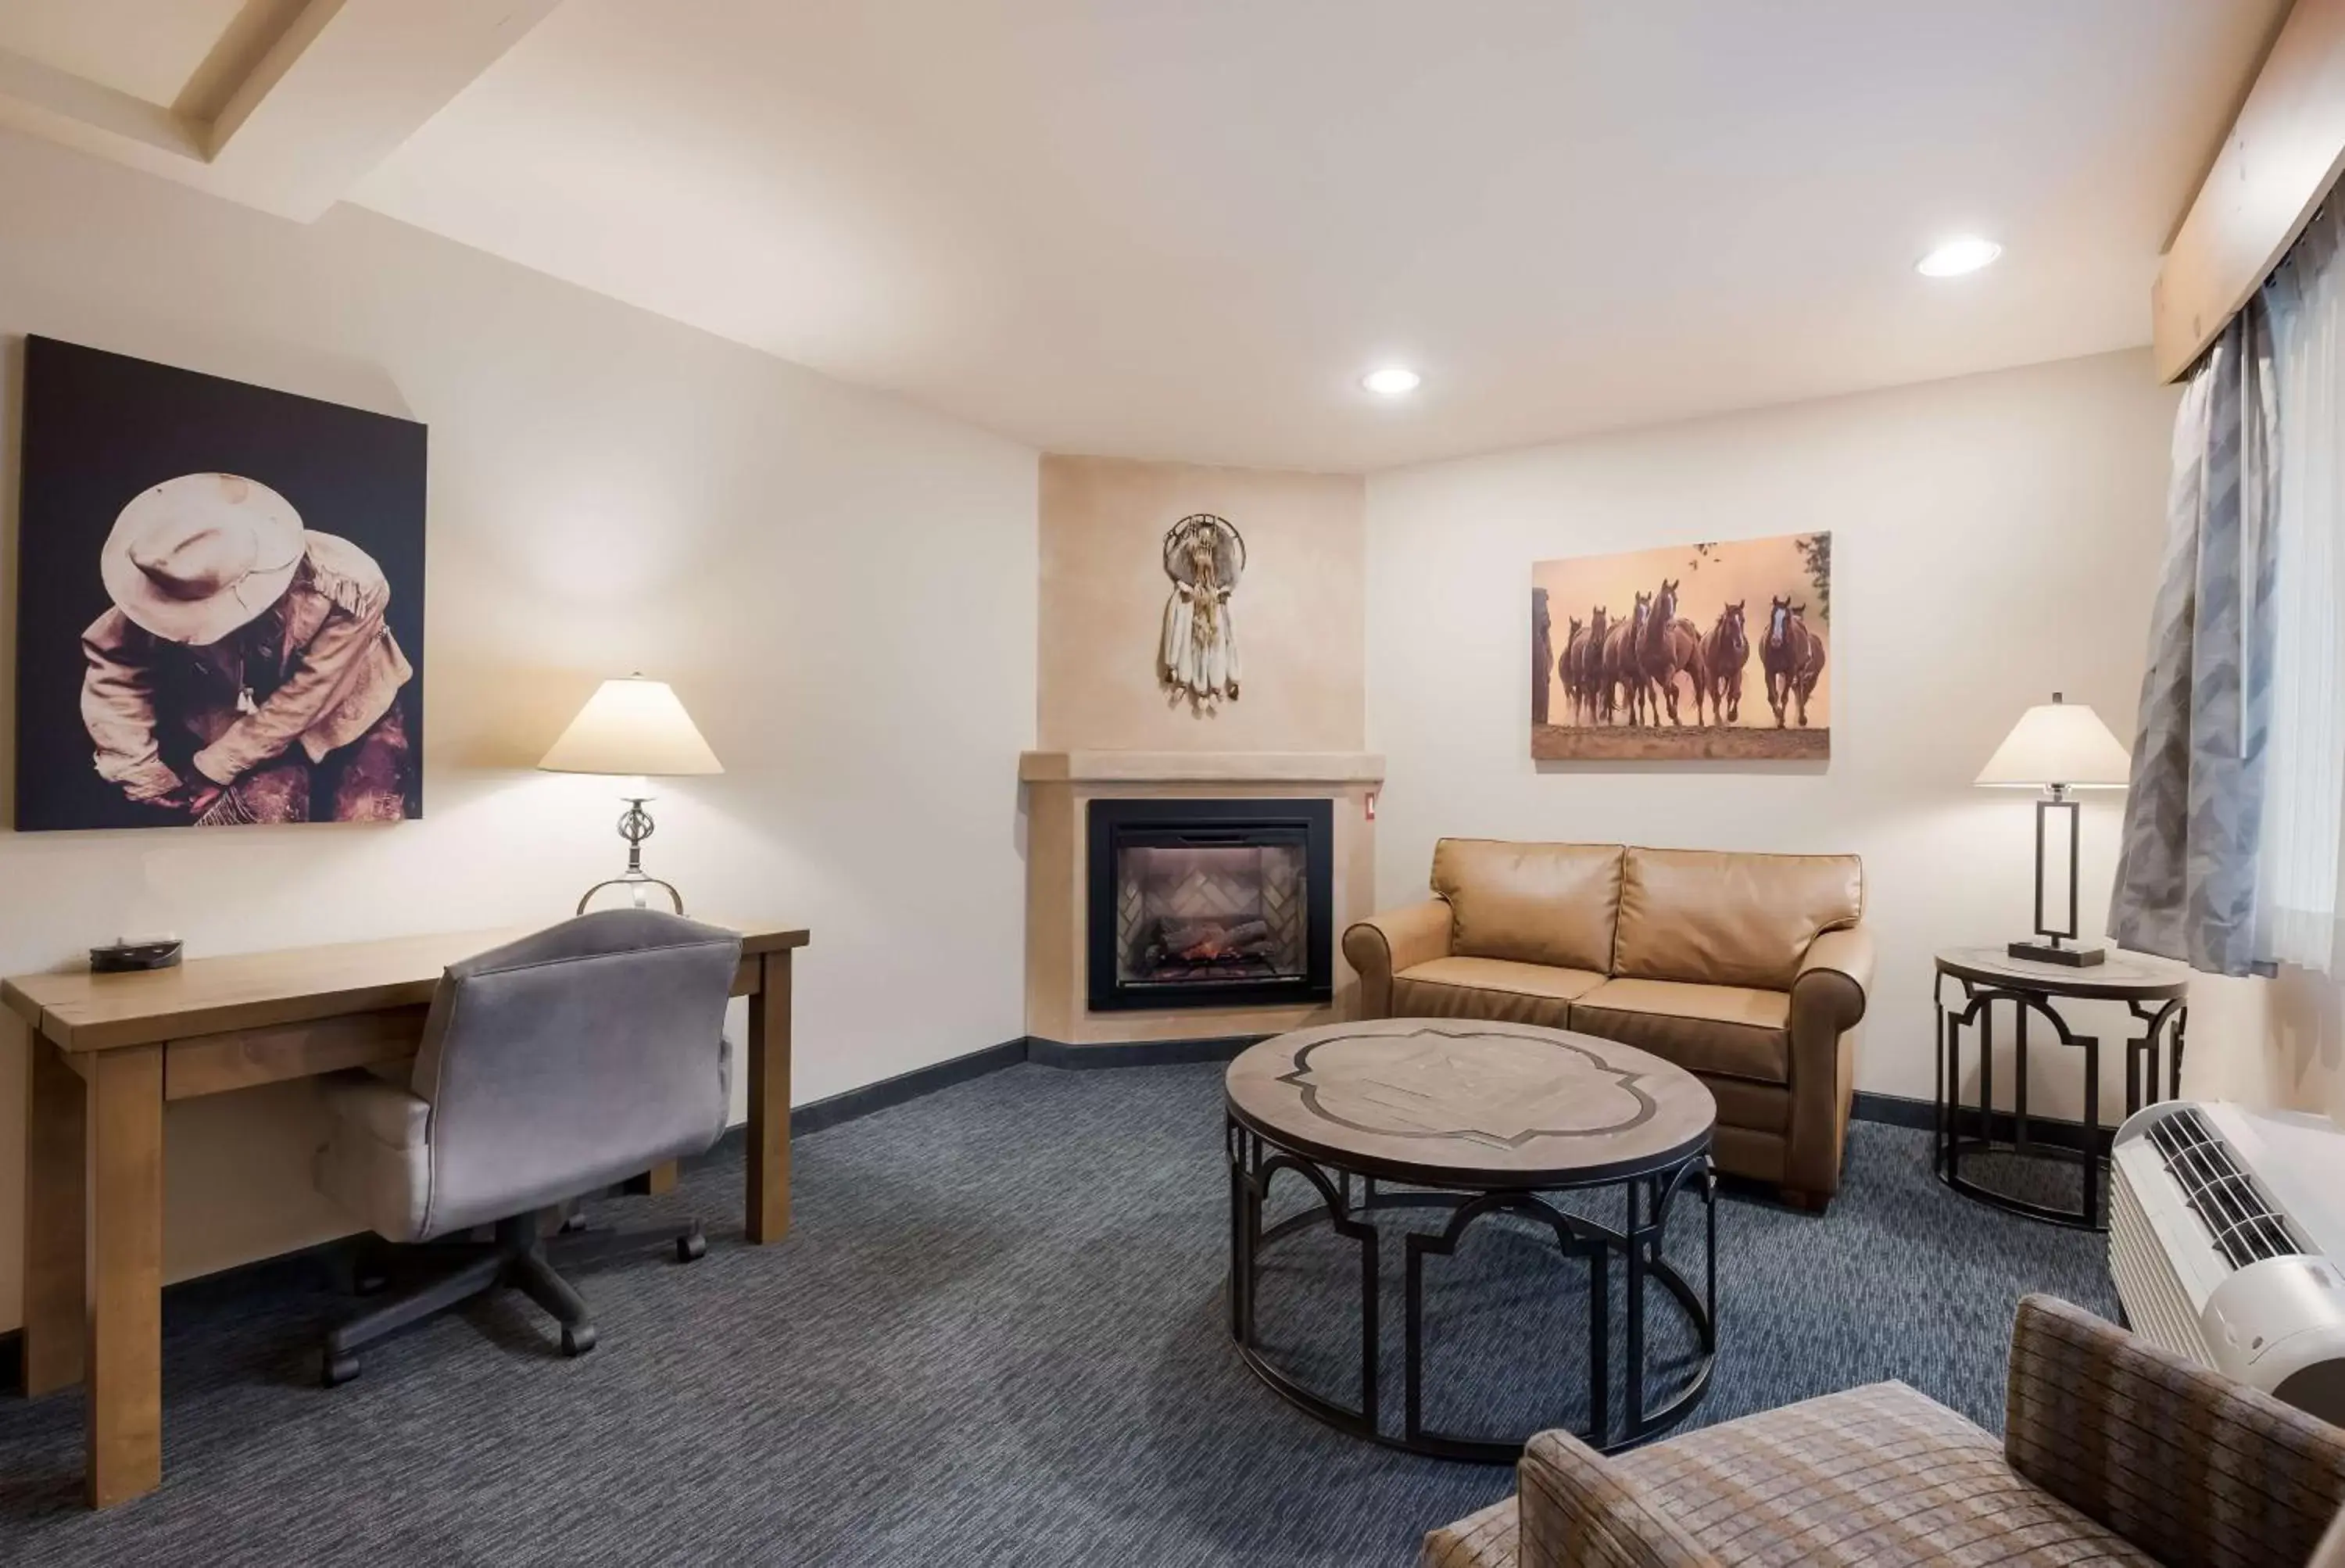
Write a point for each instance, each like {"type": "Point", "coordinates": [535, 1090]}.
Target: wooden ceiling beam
{"type": "Point", "coordinates": [2280, 159]}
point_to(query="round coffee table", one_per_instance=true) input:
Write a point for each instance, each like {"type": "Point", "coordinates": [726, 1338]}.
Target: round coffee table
{"type": "Point", "coordinates": [1475, 1118]}
{"type": "Point", "coordinates": [2155, 992]}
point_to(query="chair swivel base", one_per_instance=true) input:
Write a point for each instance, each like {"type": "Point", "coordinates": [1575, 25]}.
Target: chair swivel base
{"type": "Point", "coordinates": [519, 1257]}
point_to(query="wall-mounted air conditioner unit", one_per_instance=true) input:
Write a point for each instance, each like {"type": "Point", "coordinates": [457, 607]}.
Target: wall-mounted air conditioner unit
{"type": "Point", "coordinates": [2226, 1231]}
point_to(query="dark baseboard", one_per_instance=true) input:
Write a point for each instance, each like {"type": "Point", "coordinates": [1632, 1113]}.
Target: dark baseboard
{"type": "Point", "coordinates": [1898, 1111]}
{"type": "Point", "coordinates": [1137, 1052]}
{"type": "Point", "coordinates": [815, 1116]}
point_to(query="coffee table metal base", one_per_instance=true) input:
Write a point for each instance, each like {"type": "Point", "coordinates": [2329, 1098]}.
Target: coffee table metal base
{"type": "Point", "coordinates": [1350, 1201]}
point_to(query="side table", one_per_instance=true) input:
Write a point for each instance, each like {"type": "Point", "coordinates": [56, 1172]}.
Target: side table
{"type": "Point", "coordinates": [2155, 992]}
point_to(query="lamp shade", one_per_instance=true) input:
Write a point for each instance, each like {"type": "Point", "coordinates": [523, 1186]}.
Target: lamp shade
{"type": "Point", "coordinates": [632, 727]}
{"type": "Point", "coordinates": [2061, 743]}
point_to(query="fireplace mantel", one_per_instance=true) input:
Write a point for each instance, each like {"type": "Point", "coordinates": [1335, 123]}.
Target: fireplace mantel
{"type": "Point", "coordinates": [1332, 767]}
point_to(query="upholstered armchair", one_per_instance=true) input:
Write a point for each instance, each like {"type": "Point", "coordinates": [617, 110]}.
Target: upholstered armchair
{"type": "Point", "coordinates": [2114, 1451]}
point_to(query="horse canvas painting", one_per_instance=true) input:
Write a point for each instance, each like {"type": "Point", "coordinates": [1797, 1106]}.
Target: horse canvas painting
{"type": "Point", "coordinates": [1713, 651]}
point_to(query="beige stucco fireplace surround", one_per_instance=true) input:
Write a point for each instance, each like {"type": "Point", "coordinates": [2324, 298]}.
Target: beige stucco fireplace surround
{"type": "Point", "coordinates": [1056, 790]}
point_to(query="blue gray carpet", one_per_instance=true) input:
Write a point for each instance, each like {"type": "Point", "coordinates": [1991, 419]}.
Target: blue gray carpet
{"type": "Point", "coordinates": [995, 1336]}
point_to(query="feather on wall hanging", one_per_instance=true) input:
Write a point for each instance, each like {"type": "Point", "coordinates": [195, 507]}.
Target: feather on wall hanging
{"type": "Point", "coordinates": [1198, 661]}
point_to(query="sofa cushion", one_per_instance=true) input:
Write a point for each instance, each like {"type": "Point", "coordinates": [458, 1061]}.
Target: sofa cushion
{"type": "Point", "coordinates": [1718, 918]}
{"type": "Point", "coordinates": [1879, 1475]}
{"type": "Point", "coordinates": [1532, 903]}
{"type": "Point", "coordinates": [1492, 988]}
{"type": "Point", "coordinates": [1731, 1030]}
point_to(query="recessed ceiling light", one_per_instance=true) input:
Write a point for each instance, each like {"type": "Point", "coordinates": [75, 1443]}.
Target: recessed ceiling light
{"type": "Point", "coordinates": [1393, 381]}
{"type": "Point", "coordinates": [1957, 256]}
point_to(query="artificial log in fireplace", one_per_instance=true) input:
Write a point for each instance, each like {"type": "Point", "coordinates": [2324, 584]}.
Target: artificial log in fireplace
{"type": "Point", "coordinates": [1210, 903]}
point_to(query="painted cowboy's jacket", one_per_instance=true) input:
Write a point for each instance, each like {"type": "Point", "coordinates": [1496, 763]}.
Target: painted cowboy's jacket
{"type": "Point", "coordinates": [318, 666]}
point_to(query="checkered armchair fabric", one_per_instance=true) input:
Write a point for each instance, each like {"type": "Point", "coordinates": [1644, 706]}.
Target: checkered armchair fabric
{"type": "Point", "coordinates": [1577, 1508]}
{"type": "Point", "coordinates": [2180, 1460]}
{"type": "Point", "coordinates": [2117, 1455]}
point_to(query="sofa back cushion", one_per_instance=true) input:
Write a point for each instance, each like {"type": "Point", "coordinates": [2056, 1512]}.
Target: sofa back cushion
{"type": "Point", "coordinates": [1532, 903]}
{"type": "Point", "coordinates": [1719, 919]}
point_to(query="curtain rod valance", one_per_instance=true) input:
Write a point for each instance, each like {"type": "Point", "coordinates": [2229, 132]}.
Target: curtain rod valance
{"type": "Point", "coordinates": [2279, 161]}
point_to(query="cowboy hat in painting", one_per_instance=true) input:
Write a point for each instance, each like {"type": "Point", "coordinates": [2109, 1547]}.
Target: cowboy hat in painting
{"type": "Point", "coordinates": [194, 558]}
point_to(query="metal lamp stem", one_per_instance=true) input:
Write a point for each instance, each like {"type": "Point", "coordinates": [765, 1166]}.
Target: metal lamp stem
{"type": "Point", "coordinates": [2052, 948]}
{"type": "Point", "coordinates": [635, 825]}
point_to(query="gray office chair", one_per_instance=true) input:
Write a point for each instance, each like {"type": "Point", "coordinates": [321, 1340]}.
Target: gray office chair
{"type": "Point", "coordinates": [551, 1068]}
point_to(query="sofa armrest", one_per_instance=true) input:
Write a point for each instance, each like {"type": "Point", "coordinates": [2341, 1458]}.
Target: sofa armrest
{"type": "Point", "coordinates": [1835, 978]}
{"type": "Point", "coordinates": [1828, 997]}
{"type": "Point", "coordinates": [1382, 945]}
{"type": "Point", "coordinates": [1579, 1511]}
{"type": "Point", "coordinates": [2180, 1459]}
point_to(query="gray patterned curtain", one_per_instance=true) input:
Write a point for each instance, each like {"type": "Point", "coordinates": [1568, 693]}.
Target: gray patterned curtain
{"type": "Point", "coordinates": [2186, 883]}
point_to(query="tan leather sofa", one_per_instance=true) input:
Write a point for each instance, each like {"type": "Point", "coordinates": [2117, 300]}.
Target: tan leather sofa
{"type": "Point", "coordinates": [1749, 971]}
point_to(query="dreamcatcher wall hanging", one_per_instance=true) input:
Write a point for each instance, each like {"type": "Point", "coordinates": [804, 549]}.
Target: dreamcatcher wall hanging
{"type": "Point", "coordinates": [1204, 556]}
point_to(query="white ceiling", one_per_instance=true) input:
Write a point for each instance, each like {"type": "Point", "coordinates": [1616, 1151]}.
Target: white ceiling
{"type": "Point", "coordinates": [1185, 228]}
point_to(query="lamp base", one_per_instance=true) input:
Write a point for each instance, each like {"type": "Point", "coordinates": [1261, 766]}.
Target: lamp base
{"type": "Point", "coordinates": [2044, 953]}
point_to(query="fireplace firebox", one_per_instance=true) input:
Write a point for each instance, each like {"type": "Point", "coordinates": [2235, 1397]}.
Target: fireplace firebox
{"type": "Point", "coordinates": [1210, 903]}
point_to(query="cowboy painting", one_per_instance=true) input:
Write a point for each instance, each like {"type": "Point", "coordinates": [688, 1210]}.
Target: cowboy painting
{"type": "Point", "coordinates": [220, 599]}
{"type": "Point", "coordinates": [245, 673]}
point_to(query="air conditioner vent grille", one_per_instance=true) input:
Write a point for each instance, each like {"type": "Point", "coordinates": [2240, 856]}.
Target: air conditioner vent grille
{"type": "Point", "coordinates": [2239, 1215]}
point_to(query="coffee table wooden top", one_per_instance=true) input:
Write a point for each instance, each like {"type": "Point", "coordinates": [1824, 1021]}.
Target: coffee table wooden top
{"type": "Point", "coordinates": [1462, 1102]}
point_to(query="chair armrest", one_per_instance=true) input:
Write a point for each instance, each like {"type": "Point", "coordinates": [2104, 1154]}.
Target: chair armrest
{"type": "Point", "coordinates": [2180, 1459]}
{"type": "Point", "coordinates": [1382, 945]}
{"type": "Point", "coordinates": [386, 1113]}
{"type": "Point", "coordinates": [1579, 1511]}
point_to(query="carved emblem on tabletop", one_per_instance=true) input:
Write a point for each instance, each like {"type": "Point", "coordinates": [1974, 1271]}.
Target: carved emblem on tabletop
{"type": "Point", "coordinates": [1498, 1088]}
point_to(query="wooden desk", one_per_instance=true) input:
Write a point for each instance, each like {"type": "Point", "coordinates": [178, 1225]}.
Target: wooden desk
{"type": "Point", "coordinates": [105, 1052]}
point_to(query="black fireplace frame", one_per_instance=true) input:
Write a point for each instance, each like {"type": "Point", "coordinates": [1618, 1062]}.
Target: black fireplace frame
{"type": "Point", "coordinates": [1172, 823]}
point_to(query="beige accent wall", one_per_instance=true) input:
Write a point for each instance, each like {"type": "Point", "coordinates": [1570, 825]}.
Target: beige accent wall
{"type": "Point", "coordinates": [1993, 538]}
{"type": "Point", "coordinates": [1298, 612]}
{"type": "Point", "coordinates": [841, 588]}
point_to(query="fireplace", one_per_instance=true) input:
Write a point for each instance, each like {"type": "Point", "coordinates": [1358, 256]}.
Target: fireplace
{"type": "Point", "coordinates": [1210, 903]}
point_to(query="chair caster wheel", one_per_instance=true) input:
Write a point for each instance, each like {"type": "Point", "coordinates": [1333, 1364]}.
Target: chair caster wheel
{"type": "Point", "coordinates": [579, 1340]}
{"type": "Point", "coordinates": [337, 1370]}
{"type": "Point", "coordinates": [572, 1225]}
{"type": "Point", "coordinates": [370, 1282]}
{"type": "Point", "coordinates": [690, 1249]}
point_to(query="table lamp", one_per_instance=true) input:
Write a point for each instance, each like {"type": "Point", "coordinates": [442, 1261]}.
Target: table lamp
{"type": "Point", "coordinates": [637, 729]}
{"type": "Point", "coordinates": [2057, 747]}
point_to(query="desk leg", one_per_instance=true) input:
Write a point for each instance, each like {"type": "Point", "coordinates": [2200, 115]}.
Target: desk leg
{"type": "Point", "coordinates": [126, 1246]}
{"type": "Point", "coordinates": [56, 1303]}
{"type": "Point", "coordinates": [769, 1102]}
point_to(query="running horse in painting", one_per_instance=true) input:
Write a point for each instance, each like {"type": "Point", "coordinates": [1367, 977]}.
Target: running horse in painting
{"type": "Point", "coordinates": [1584, 664]}
{"type": "Point", "coordinates": [1793, 659]}
{"type": "Point", "coordinates": [1567, 667]}
{"type": "Point", "coordinates": [1670, 647]}
{"type": "Point", "coordinates": [1622, 666]}
{"type": "Point", "coordinates": [1725, 653]}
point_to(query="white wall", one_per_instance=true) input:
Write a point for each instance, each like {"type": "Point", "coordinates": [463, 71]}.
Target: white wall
{"type": "Point", "coordinates": [1994, 537]}
{"type": "Point", "coordinates": [819, 571]}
